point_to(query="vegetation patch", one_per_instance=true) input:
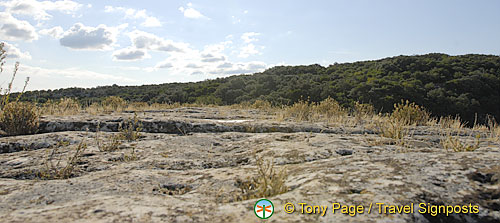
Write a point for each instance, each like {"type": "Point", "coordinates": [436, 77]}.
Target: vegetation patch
{"type": "Point", "coordinates": [304, 110]}
{"type": "Point", "coordinates": [410, 113]}
{"type": "Point", "coordinates": [267, 182]}
{"type": "Point", "coordinates": [63, 106]}
{"type": "Point", "coordinates": [16, 118]}
{"type": "Point", "coordinates": [130, 129]}
{"type": "Point", "coordinates": [19, 118]}
{"type": "Point", "coordinates": [55, 168]}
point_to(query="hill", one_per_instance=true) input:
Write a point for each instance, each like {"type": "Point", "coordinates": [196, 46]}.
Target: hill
{"type": "Point", "coordinates": [463, 85]}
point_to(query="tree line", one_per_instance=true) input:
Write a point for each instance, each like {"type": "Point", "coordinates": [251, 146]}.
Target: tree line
{"type": "Point", "coordinates": [465, 85]}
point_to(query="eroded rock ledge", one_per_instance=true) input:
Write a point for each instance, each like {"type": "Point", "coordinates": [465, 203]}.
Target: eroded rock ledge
{"type": "Point", "coordinates": [191, 174]}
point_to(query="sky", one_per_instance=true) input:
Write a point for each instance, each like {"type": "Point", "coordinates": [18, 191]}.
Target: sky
{"type": "Point", "coordinates": [73, 43]}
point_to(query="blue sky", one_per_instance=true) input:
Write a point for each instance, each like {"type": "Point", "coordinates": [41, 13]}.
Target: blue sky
{"type": "Point", "coordinates": [72, 43]}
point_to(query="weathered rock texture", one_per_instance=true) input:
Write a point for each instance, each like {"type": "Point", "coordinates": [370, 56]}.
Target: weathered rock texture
{"type": "Point", "coordinates": [189, 161]}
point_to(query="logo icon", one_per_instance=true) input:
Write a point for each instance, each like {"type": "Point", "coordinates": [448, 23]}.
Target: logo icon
{"type": "Point", "coordinates": [263, 209]}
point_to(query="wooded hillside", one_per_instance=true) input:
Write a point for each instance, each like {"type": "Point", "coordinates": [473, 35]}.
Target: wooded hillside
{"type": "Point", "coordinates": [445, 85]}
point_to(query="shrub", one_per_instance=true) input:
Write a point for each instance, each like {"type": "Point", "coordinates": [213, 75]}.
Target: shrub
{"type": "Point", "coordinates": [113, 103]}
{"type": "Point", "coordinates": [261, 104]}
{"type": "Point", "coordinates": [410, 113]}
{"type": "Point", "coordinates": [16, 117]}
{"type": "Point", "coordinates": [328, 109]}
{"type": "Point", "coordinates": [299, 111]}
{"type": "Point", "coordinates": [19, 118]}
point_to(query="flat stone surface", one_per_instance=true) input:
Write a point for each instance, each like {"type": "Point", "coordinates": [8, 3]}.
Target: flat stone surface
{"type": "Point", "coordinates": [189, 162]}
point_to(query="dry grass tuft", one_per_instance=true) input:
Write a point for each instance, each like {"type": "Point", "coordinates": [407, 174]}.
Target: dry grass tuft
{"type": "Point", "coordinates": [113, 104]}
{"type": "Point", "coordinates": [450, 123]}
{"type": "Point", "coordinates": [363, 112]}
{"type": "Point", "coordinates": [53, 170]}
{"type": "Point", "coordinates": [64, 106]}
{"type": "Point", "coordinates": [130, 132]}
{"type": "Point", "coordinates": [327, 110]}
{"type": "Point", "coordinates": [453, 143]}
{"type": "Point", "coordinates": [393, 128]}
{"type": "Point", "coordinates": [267, 183]}
{"type": "Point", "coordinates": [410, 113]}
{"type": "Point", "coordinates": [299, 111]}
{"type": "Point", "coordinates": [452, 130]}
{"type": "Point", "coordinates": [130, 129]}
{"type": "Point", "coordinates": [493, 129]}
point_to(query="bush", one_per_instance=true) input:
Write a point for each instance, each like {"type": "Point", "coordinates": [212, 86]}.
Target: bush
{"type": "Point", "coordinates": [19, 118]}
{"type": "Point", "coordinates": [114, 103]}
{"type": "Point", "coordinates": [410, 113]}
{"type": "Point", "coordinates": [261, 104]}
{"type": "Point", "coordinates": [329, 108]}
{"type": "Point", "coordinates": [299, 111]}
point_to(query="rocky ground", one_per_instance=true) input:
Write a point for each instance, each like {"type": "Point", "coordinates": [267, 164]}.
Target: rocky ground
{"type": "Point", "coordinates": [189, 162]}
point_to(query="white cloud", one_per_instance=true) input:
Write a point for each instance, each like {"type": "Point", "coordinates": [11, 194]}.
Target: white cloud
{"type": "Point", "coordinates": [38, 9]}
{"type": "Point", "coordinates": [213, 53]}
{"type": "Point", "coordinates": [191, 13]}
{"type": "Point", "coordinates": [248, 50]}
{"type": "Point", "coordinates": [194, 65]}
{"type": "Point", "coordinates": [55, 32]}
{"type": "Point", "coordinates": [240, 68]}
{"type": "Point", "coordinates": [144, 40]}
{"type": "Point", "coordinates": [249, 37]}
{"type": "Point", "coordinates": [15, 53]}
{"type": "Point", "coordinates": [149, 21]}
{"type": "Point", "coordinates": [209, 58]}
{"type": "Point", "coordinates": [130, 54]}
{"type": "Point", "coordinates": [46, 78]}
{"type": "Point", "coordinates": [16, 30]}
{"type": "Point", "coordinates": [225, 65]}
{"type": "Point", "coordinates": [84, 37]}
{"type": "Point", "coordinates": [164, 64]}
